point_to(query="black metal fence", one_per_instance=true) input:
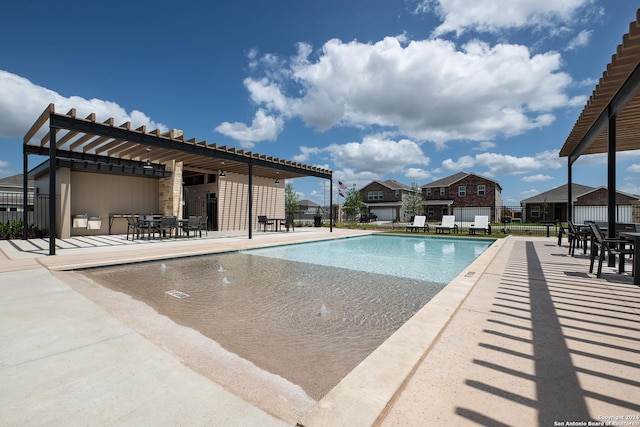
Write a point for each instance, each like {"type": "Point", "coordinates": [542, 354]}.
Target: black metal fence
{"type": "Point", "coordinates": [12, 209]}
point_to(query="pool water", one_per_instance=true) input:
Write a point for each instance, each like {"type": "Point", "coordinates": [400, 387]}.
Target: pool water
{"type": "Point", "coordinates": [438, 259]}
{"type": "Point", "coordinates": [308, 312]}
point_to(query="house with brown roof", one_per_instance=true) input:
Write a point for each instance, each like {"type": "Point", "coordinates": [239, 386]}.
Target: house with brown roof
{"type": "Point", "coordinates": [385, 199]}
{"type": "Point", "coordinates": [589, 204]}
{"type": "Point", "coordinates": [464, 195]}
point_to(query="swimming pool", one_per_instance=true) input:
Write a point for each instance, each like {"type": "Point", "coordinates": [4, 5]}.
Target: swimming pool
{"type": "Point", "coordinates": [435, 259]}
{"type": "Point", "coordinates": [308, 322]}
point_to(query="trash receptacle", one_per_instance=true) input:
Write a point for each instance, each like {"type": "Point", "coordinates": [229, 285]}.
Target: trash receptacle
{"type": "Point", "coordinates": [317, 221]}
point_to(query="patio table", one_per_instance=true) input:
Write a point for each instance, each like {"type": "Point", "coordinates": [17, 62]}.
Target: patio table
{"type": "Point", "coordinates": [635, 237]}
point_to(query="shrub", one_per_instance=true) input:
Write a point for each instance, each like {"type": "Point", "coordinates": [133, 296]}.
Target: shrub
{"type": "Point", "coordinates": [13, 230]}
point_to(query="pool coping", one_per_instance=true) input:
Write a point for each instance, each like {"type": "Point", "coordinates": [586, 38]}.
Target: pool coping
{"type": "Point", "coordinates": [365, 395]}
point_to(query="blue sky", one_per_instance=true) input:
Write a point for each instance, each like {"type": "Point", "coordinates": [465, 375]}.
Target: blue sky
{"type": "Point", "coordinates": [374, 90]}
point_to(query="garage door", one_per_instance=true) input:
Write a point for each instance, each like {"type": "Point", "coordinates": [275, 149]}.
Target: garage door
{"type": "Point", "coordinates": [384, 214]}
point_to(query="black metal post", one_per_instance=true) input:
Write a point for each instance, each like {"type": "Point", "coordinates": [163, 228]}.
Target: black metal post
{"type": "Point", "coordinates": [25, 183]}
{"type": "Point", "coordinates": [250, 200]}
{"type": "Point", "coordinates": [611, 175]}
{"type": "Point", "coordinates": [331, 204]}
{"type": "Point", "coordinates": [569, 192]}
{"type": "Point", "coordinates": [52, 191]}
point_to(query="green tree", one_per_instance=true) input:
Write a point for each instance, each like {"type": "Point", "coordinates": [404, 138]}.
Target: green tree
{"type": "Point", "coordinates": [291, 204]}
{"type": "Point", "coordinates": [353, 205]}
{"type": "Point", "coordinates": [413, 201]}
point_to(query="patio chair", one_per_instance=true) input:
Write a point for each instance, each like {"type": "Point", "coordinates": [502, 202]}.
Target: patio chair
{"type": "Point", "coordinates": [613, 247]}
{"type": "Point", "coordinates": [133, 226]}
{"type": "Point", "coordinates": [266, 222]}
{"type": "Point", "coordinates": [577, 236]}
{"type": "Point", "coordinates": [169, 224]}
{"type": "Point", "coordinates": [204, 225]}
{"type": "Point", "coordinates": [419, 223]}
{"type": "Point", "coordinates": [287, 223]}
{"type": "Point", "coordinates": [192, 224]}
{"type": "Point", "coordinates": [480, 222]}
{"type": "Point", "coordinates": [448, 224]}
{"type": "Point", "coordinates": [149, 223]}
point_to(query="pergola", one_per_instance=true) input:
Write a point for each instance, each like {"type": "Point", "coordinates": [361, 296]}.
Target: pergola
{"type": "Point", "coordinates": [610, 121]}
{"type": "Point", "coordinates": [104, 146]}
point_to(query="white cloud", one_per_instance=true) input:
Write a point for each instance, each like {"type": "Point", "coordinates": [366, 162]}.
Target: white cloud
{"type": "Point", "coordinates": [484, 146]}
{"type": "Point", "coordinates": [581, 40]}
{"type": "Point", "coordinates": [635, 168]}
{"type": "Point", "coordinates": [495, 15]}
{"type": "Point", "coordinates": [22, 102]}
{"type": "Point", "coordinates": [428, 90]}
{"type": "Point", "coordinates": [529, 193]}
{"type": "Point", "coordinates": [306, 153]}
{"type": "Point", "coordinates": [504, 164]}
{"type": "Point", "coordinates": [537, 178]}
{"type": "Point", "coordinates": [464, 162]}
{"type": "Point", "coordinates": [377, 156]}
{"type": "Point", "coordinates": [4, 167]}
{"type": "Point", "coordinates": [263, 128]}
{"type": "Point", "coordinates": [417, 174]}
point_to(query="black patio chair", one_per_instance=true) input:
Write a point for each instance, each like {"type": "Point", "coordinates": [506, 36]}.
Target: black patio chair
{"type": "Point", "coordinates": [192, 224]}
{"type": "Point", "coordinates": [204, 225]}
{"type": "Point", "coordinates": [168, 224]}
{"type": "Point", "coordinates": [287, 223]}
{"type": "Point", "coordinates": [577, 237]}
{"type": "Point", "coordinates": [133, 226]}
{"type": "Point", "coordinates": [266, 222]}
{"type": "Point", "coordinates": [612, 247]}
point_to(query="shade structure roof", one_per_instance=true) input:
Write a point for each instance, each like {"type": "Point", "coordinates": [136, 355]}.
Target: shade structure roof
{"type": "Point", "coordinates": [85, 139]}
{"type": "Point", "coordinates": [615, 95]}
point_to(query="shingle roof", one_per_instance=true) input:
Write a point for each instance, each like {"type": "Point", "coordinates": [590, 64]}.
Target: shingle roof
{"type": "Point", "coordinates": [394, 185]}
{"type": "Point", "coordinates": [559, 194]}
{"type": "Point", "coordinates": [452, 179]}
{"type": "Point", "coordinates": [446, 182]}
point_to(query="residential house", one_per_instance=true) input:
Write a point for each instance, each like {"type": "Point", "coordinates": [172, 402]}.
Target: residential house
{"type": "Point", "coordinates": [384, 199]}
{"type": "Point", "coordinates": [589, 203]}
{"type": "Point", "coordinates": [464, 195]}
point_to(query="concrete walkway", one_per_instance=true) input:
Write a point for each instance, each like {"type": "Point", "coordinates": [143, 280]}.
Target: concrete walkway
{"type": "Point", "coordinates": [531, 339]}
{"type": "Point", "coordinates": [538, 341]}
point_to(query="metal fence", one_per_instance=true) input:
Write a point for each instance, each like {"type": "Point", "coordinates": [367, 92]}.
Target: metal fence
{"type": "Point", "coordinates": [12, 209]}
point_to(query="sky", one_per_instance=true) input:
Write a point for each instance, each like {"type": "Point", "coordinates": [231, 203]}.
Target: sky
{"type": "Point", "coordinates": [410, 90]}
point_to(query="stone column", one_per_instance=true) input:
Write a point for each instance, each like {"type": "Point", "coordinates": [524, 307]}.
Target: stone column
{"type": "Point", "coordinates": [171, 190]}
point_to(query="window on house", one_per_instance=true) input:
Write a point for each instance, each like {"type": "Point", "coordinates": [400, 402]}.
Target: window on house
{"type": "Point", "coordinates": [374, 195]}
{"type": "Point", "coordinates": [397, 194]}
{"type": "Point", "coordinates": [430, 212]}
{"type": "Point", "coordinates": [428, 192]}
{"type": "Point", "coordinates": [535, 211]}
{"type": "Point", "coordinates": [462, 190]}
{"type": "Point", "coordinates": [481, 190]}
{"type": "Point", "coordinates": [443, 191]}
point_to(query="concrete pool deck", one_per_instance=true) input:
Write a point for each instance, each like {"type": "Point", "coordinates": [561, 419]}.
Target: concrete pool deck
{"type": "Point", "coordinates": [526, 337]}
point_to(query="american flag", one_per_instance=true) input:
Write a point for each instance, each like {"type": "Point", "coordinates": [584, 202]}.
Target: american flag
{"type": "Point", "coordinates": [341, 186]}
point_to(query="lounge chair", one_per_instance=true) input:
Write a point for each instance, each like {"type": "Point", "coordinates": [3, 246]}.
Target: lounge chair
{"type": "Point", "coordinates": [419, 223]}
{"type": "Point", "coordinates": [448, 224]}
{"type": "Point", "coordinates": [480, 223]}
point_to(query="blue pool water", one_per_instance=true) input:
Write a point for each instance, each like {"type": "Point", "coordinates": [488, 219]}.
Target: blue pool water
{"type": "Point", "coordinates": [437, 260]}
{"type": "Point", "coordinates": [307, 312]}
